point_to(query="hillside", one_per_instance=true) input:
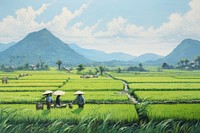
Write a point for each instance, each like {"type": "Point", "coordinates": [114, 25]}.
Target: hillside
{"type": "Point", "coordinates": [188, 48]}
{"type": "Point", "coordinates": [97, 55]}
{"type": "Point", "coordinates": [41, 46]}
{"type": "Point", "coordinates": [4, 46]}
{"type": "Point", "coordinates": [147, 57]}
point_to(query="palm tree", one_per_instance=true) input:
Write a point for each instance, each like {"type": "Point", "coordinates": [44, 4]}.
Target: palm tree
{"type": "Point", "coordinates": [119, 70]}
{"type": "Point", "coordinates": [186, 62]}
{"type": "Point", "coordinates": [197, 59]}
{"type": "Point", "coordinates": [96, 71]}
{"type": "Point", "coordinates": [101, 69]}
{"type": "Point", "coordinates": [140, 66]}
{"type": "Point", "coordinates": [59, 62]}
{"type": "Point", "coordinates": [80, 68]}
{"type": "Point", "coordinates": [165, 65]}
{"type": "Point", "coordinates": [182, 62]}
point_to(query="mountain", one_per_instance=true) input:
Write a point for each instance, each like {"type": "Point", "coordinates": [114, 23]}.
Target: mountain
{"type": "Point", "coordinates": [97, 55]}
{"type": "Point", "coordinates": [4, 46]}
{"type": "Point", "coordinates": [147, 57]}
{"type": "Point", "coordinates": [187, 49]}
{"type": "Point", "coordinates": [41, 46]}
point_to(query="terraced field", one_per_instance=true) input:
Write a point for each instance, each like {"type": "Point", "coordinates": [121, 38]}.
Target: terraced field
{"type": "Point", "coordinates": [169, 89]}
{"type": "Point", "coordinates": [113, 112]}
{"type": "Point", "coordinates": [104, 96]}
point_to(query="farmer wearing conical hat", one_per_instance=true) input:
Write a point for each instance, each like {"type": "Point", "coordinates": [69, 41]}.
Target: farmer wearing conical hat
{"type": "Point", "coordinates": [80, 99]}
{"type": "Point", "coordinates": [49, 100]}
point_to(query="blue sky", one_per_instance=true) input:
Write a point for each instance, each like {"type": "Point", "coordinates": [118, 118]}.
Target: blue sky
{"type": "Point", "coordinates": [131, 26]}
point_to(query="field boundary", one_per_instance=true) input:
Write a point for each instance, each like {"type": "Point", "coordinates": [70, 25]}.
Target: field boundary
{"type": "Point", "coordinates": [125, 88]}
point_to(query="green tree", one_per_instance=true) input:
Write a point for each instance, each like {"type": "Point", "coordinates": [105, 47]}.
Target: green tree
{"type": "Point", "coordinates": [26, 66]}
{"type": "Point", "coordinates": [197, 59]}
{"type": "Point", "coordinates": [96, 71]}
{"type": "Point", "coordinates": [119, 70]}
{"type": "Point", "coordinates": [80, 68]}
{"type": "Point", "coordinates": [59, 62]}
{"type": "Point", "coordinates": [182, 62]}
{"type": "Point", "coordinates": [101, 69]}
{"type": "Point", "coordinates": [38, 65]}
{"type": "Point", "coordinates": [165, 65]}
{"type": "Point", "coordinates": [186, 62]}
{"type": "Point", "coordinates": [42, 64]}
{"type": "Point", "coordinates": [140, 67]}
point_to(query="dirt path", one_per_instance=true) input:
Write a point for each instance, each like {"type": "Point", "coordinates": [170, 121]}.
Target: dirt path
{"type": "Point", "coordinates": [125, 89]}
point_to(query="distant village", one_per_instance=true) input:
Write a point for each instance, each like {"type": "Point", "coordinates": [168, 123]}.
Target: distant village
{"type": "Point", "coordinates": [184, 64]}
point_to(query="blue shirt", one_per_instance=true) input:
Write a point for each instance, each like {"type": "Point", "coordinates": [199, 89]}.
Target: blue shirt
{"type": "Point", "coordinates": [49, 99]}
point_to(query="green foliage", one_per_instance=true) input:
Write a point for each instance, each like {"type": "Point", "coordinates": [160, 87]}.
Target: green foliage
{"type": "Point", "coordinates": [59, 62]}
{"type": "Point", "coordinates": [119, 70]}
{"type": "Point", "coordinates": [101, 69]}
{"type": "Point", "coordinates": [175, 111]}
{"type": "Point", "coordinates": [184, 96]}
{"type": "Point", "coordinates": [80, 68]}
{"type": "Point", "coordinates": [168, 85]}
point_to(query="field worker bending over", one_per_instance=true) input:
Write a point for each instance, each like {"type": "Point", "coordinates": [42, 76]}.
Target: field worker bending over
{"type": "Point", "coordinates": [79, 99]}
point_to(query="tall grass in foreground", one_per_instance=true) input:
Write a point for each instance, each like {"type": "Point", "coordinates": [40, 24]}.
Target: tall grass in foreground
{"type": "Point", "coordinates": [9, 123]}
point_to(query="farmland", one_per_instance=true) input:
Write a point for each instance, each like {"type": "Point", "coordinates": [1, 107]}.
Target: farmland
{"type": "Point", "coordinates": [105, 97]}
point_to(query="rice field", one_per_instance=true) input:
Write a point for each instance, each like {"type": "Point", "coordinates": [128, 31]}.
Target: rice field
{"type": "Point", "coordinates": [175, 111]}
{"type": "Point", "coordinates": [168, 95]}
{"type": "Point", "coordinates": [103, 95]}
{"type": "Point", "coordinates": [113, 112]}
{"type": "Point", "coordinates": [91, 96]}
{"type": "Point", "coordinates": [93, 84]}
{"type": "Point", "coordinates": [164, 86]}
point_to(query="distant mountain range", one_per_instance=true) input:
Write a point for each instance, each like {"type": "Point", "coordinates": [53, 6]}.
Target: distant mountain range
{"type": "Point", "coordinates": [147, 57]}
{"type": "Point", "coordinates": [97, 55]}
{"type": "Point", "coordinates": [101, 56]}
{"type": "Point", "coordinates": [5, 46]}
{"type": "Point", "coordinates": [41, 46]}
{"type": "Point", "coordinates": [44, 46]}
{"type": "Point", "coordinates": [187, 49]}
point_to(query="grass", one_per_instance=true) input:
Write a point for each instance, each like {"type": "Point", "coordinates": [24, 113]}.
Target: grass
{"type": "Point", "coordinates": [168, 95]}
{"type": "Point", "coordinates": [116, 112]}
{"type": "Point", "coordinates": [157, 86]}
{"type": "Point", "coordinates": [164, 86]}
{"type": "Point", "coordinates": [31, 85]}
{"type": "Point", "coordinates": [93, 84]}
{"type": "Point", "coordinates": [26, 89]}
{"type": "Point", "coordinates": [159, 80]}
{"type": "Point", "coordinates": [33, 97]}
{"type": "Point", "coordinates": [175, 111]}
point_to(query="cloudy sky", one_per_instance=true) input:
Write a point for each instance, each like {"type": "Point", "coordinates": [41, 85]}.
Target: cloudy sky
{"type": "Point", "coordinates": [132, 26]}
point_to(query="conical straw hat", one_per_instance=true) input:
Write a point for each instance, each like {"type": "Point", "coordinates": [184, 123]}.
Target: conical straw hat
{"type": "Point", "coordinates": [59, 92]}
{"type": "Point", "coordinates": [79, 93]}
{"type": "Point", "coordinates": [47, 92]}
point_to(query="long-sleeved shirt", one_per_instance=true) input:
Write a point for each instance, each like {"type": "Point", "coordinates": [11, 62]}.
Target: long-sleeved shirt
{"type": "Point", "coordinates": [80, 100]}
{"type": "Point", "coordinates": [48, 99]}
{"type": "Point", "coordinates": [58, 100]}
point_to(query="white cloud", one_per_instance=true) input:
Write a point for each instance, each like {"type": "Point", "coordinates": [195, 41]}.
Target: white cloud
{"type": "Point", "coordinates": [119, 35]}
{"type": "Point", "coordinates": [60, 22]}
{"type": "Point", "coordinates": [14, 28]}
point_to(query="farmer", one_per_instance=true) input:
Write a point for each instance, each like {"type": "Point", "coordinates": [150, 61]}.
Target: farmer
{"type": "Point", "coordinates": [58, 100]}
{"type": "Point", "coordinates": [59, 93]}
{"type": "Point", "coordinates": [79, 99]}
{"type": "Point", "coordinates": [49, 100]}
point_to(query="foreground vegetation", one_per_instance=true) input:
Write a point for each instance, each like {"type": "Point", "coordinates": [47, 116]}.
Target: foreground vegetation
{"type": "Point", "coordinates": [10, 123]}
{"type": "Point", "coordinates": [108, 108]}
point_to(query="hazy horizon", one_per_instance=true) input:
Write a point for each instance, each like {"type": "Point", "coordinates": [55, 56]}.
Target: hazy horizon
{"type": "Point", "coordinates": [132, 27]}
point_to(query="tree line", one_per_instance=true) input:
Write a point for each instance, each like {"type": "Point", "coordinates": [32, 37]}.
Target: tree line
{"type": "Point", "coordinates": [184, 64]}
